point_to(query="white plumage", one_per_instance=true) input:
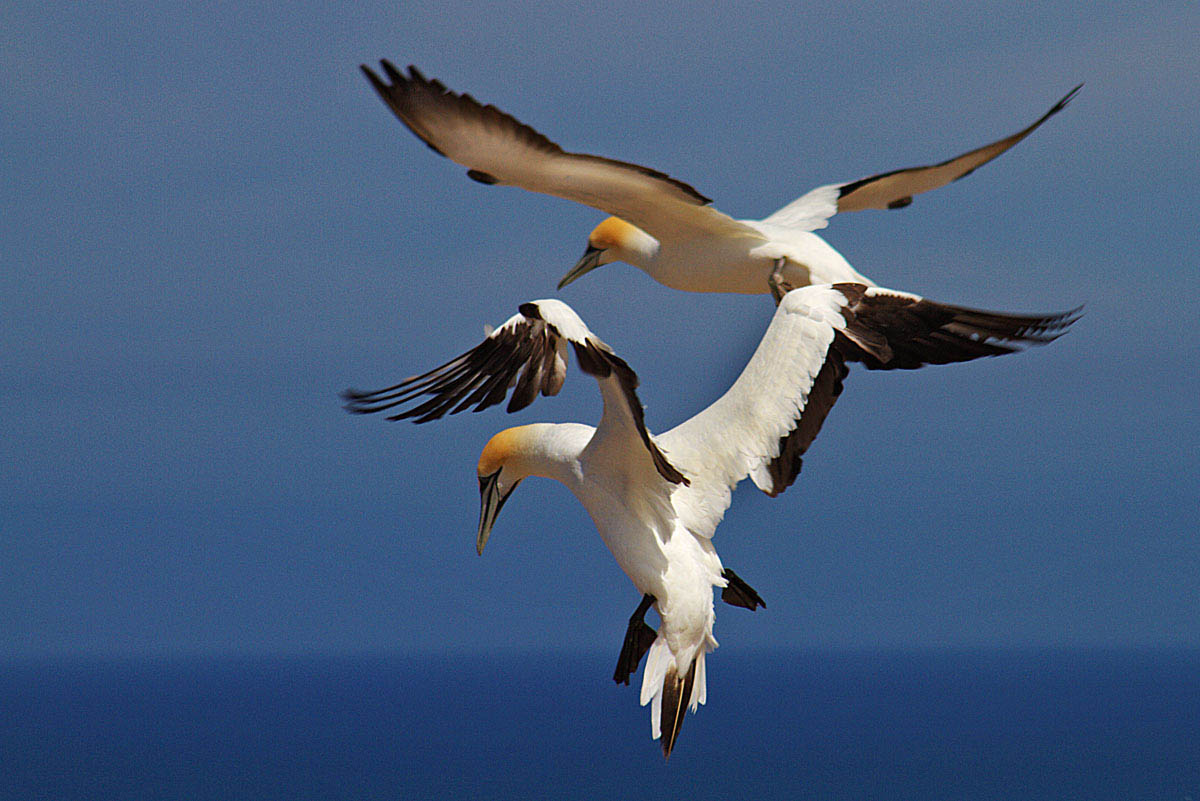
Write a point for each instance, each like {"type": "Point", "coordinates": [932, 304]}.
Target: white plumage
{"type": "Point", "coordinates": [662, 225]}
{"type": "Point", "coordinates": [657, 500]}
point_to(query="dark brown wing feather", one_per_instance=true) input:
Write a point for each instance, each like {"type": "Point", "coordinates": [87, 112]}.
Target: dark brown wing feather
{"type": "Point", "coordinates": [895, 189]}
{"type": "Point", "coordinates": [597, 360]}
{"type": "Point", "coordinates": [895, 332]}
{"type": "Point", "coordinates": [523, 355]}
{"type": "Point", "coordinates": [437, 114]}
{"type": "Point", "coordinates": [918, 332]}
{"type": "Point", "coordinates": [826, 388]}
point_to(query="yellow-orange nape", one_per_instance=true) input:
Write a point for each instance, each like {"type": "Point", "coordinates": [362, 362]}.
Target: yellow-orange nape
{"type": "Point", "coordinates": [502, 447]}
{"type": "Point", "coordinates": [614, 233]}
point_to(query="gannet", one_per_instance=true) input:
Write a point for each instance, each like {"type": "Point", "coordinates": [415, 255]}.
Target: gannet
{"type": "Point", "coordinates": [662, 225]}
{"type": "Point", "coordinates": [657, 499]}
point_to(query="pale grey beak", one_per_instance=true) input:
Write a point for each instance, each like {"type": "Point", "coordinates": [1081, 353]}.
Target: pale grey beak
{"type": "Point", "coordinates": [490, 504]}
{"type": "Point", "coordinates": [589, 262]}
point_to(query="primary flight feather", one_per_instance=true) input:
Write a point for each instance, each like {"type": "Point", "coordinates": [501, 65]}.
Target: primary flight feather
{"type": "Point", "coordinates": [657, 499]}
{"type": "Point", "coordinates": [660, 224]}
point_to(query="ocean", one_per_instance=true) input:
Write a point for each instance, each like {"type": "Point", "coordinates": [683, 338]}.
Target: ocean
{"type": "Point", "coordinates": [1032, 724]}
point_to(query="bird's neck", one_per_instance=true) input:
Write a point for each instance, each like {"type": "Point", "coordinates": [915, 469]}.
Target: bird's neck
{"type": "Point", "coordinates": [553, 452]}
{"type": "Point", "coordinates": [638, 248]}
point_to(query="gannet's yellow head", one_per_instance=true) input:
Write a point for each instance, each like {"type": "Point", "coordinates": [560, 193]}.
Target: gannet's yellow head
{"type": "Point", "coordinates": [613, 240]}
{"type": "Point", "coordinates": [501, 468]}
{"type": "Point", "coordinates": [613, 233]}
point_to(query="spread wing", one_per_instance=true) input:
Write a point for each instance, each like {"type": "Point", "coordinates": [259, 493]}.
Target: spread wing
{"type": "Point", "coordinates": [895, 189]}
{"type": "Point", "coordinates": [763, 424]}
{"type": "Point", "coordinates": [498, 149]}
{"type": "Point", "coordinates": [528, 355]}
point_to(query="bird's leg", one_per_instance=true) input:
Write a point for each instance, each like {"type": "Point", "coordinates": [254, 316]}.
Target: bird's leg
{"type": "Point", "coordinates": [779, 287]}
{"type": "Point", "coordinates": [638, 639]}
{"type": "Point", "coordinates": [739, 593]}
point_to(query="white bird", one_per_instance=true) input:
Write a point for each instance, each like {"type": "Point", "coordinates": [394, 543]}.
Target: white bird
{"type": "Point", "coordinates": [657, 499]}
{"type": "Point", "coordinates": [659, 224]}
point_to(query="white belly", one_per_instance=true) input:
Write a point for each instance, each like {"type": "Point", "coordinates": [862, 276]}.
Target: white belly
{"type": "Point", "coordinates": [744, 265]}
{"type": "Point", "coordinates": [679, 571]}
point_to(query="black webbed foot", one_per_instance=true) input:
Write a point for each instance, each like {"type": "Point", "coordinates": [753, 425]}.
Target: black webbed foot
{"type": "Point", "coordinates": [638, 639]}
{"type": "Point", "coordinates": [739, 593]}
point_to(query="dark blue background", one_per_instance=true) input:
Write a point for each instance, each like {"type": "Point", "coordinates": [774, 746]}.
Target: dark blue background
{"type": "Point", "coordinates": [210, 225]}
{"type": "Point", "coordinates": [1031, 724]}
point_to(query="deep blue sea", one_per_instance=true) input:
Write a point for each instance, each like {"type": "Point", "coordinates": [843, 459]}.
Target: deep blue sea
{"type": "Point", "coordinates": [922, 725]}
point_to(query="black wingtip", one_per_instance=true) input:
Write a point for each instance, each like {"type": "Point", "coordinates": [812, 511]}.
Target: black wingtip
{"type": "Point", "coordinates": [376, 82]}
{"type": "Point", "coordinates": [482, 177]}
{"type": "Point", "coordinates": [1067, 98]}
{"type": "Point", "coordinates": [355, 401]}
{"type": "Point", "coordinates": [918, 332]}
{"type": "Point", "coordinates": [394, 75]}
{"type": "Point", "coordinates": [1057, 107]}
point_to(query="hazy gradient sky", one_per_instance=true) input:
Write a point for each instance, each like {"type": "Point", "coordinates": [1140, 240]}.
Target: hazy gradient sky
{"type": "Point", "coordinates": [210, 225]}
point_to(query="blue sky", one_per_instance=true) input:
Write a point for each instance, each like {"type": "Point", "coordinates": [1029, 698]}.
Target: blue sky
{"type": "Point", "coordinates": [211, 225]}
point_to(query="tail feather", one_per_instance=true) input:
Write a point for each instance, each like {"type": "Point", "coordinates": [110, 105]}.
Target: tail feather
{"type": "Point", "coordinates": [657, 661]}
{"type": "Point", "coordinates": [676, 694]}
{"type": "Point", "coordinates": [670, 695]}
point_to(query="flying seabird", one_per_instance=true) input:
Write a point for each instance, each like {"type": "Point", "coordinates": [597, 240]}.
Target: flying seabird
{"type": "Point", "coordinates": [657, 499]}
{"type": "Point", "coordinates": [662, 225]}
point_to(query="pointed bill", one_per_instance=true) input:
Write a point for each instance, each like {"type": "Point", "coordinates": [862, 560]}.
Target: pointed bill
{"type": "Point", "coordinates": [490, 502]}
{"type": "Point", "coordinates": [589, 262]}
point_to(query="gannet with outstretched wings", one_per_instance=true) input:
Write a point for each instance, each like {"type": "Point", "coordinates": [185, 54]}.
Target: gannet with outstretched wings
{"type": "Point", "coordinates": [657, 499]}
{"type": "Point", "coordinates": [662, 225]}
